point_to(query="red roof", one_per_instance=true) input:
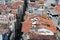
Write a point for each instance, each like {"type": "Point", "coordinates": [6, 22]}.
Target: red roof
{"type": "Point", "coordinates": [15, 5]}
{"type": "Point", "coordinates": [27, 25]}
{"type": "Point", "coordinates": [58, 8]}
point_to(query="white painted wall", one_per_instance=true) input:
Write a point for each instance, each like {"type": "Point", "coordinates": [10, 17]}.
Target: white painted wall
{"type": "Point", "coordinates": [1, 37]}
{"type": "Point", "coordinates": [48, 2]}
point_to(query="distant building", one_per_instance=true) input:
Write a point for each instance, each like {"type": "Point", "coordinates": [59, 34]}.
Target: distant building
{"type": "Point", "coordinates": [2, 1]}
{"type": "Point", "coordinates": [14, 0]}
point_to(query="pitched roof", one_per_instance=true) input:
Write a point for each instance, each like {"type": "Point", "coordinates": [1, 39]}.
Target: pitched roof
{"type": "Point", "coordinates": [27, 25]}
